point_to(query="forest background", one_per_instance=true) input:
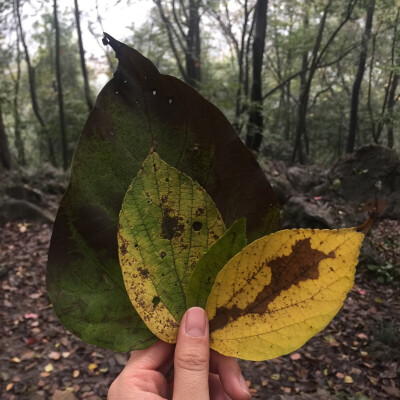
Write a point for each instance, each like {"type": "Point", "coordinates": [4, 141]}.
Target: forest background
{"type": "Point", "coordinates": [302, 81]}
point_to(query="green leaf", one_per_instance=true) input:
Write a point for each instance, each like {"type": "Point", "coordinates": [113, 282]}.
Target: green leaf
{"type": "Point", "coordinates": [167, 222]}
{"type": "Point", "coordinates": [139, 106]}
{"type": "Point", "coordinates": [203, 277]}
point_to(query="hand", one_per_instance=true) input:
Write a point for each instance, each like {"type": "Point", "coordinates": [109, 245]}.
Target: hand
{"type": "Point", "coordinates": [198, 373]}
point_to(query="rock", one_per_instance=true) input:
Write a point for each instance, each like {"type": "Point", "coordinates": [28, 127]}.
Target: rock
{"type": "Point", "coordinates": [63, 395]}
{"type": "Point", "coordinates": [39, 395]}
{"type": "Point", "coordinates": [54, 188]}
{"type": "Point", "coordinates": [303, 212]}
{"type": "Point", "coordinates": [372, 172]}
{"type": "Point", "coordinates": [25, 193]}
{"type": "Point", "coordinates": [12, 209]}
{"type": "Point", "coordinates": [305, 178]}
{"type": "Point", "coordinates": [121, 359]}
{"type": "Point", "coordinates": [282, 188]}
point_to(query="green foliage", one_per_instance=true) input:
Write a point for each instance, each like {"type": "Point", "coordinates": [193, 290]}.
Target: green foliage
{"type": "Point", "coordinates": [290, 36]}
{"type": "Point", "coordinates": [386, 273]}
{"type": "Point", "coordinates": [75, 108]}
{"type": "Point", "coordinates": [345, 396]}
{"type": "Point", "coordinates": [388, 333]}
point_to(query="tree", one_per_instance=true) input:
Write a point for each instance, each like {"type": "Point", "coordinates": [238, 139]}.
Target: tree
{"type": "Point", "coordinates": [228, 22]}
{"type": "Point", "coordinates": [32, 88]}
{"type": "Point", "coordinates": [99, 36]}
{"type": "Point", "coordinates": [183, 29]}
{"type": "Point", "coordinates": [351, 138]}
{"type": "Point", "coordinates": [60, 91]}
{"type": "Point", "coordinates": [74, 104]}
{"type": "Point", "coordinates": [19, 144]}
{"type": "Point", "coordinates": [82, 58]}
{"type": "Point", "coordinates": [11, 64]}
{"type": "Point", "coordinates": [5, 157]}
{"type": "Point", "coordinates": [255, 125]}
{"type": "Point", "coordinates": [312, 66]}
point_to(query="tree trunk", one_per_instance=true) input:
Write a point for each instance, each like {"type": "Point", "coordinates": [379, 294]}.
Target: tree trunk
{"type": "Point", "coordinates": [82, 58]}
{"type": "Point", "coordinates": [391, 102]}
{"type": "Point", "coordinates": [305, 87]}
{"type": "Point", "coordinates": [241, 73]}
{"type": "Point", "coordinates": [60, 91]}
{"type": "Point", "coordinates": [187, 42]}
{"type": "Point", "coordinates": [255, 125]}
{"type": "Point", "coordinates": [19, 144]}
{"type": "Point", "coordinates": [351, 138]}
{"type": "Point", "coordinates": [288, 117]}
{"type": "Point", "coordinates": [193, 50]}
{"type": "Point", "coordinates": [5, 157]}
{"type": "Point", "coordinates": [303, 101]}
{"type": "Point", "coordinates": [32, 90]}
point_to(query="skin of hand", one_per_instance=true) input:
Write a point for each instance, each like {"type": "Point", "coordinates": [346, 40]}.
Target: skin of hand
{"type": "Point", "coordinates": [199, 374]}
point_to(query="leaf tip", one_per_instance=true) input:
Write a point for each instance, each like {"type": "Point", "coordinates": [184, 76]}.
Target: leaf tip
{"type": "Point", "coordinates": [153, 148]}
{"type": "Point", "coordinates": [375, 208]}
{"type": "Point", "coordinates": [114, 43]}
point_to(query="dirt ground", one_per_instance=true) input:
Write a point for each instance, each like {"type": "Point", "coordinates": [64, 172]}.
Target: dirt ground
{"type": "Point", "coordinates": [356, 357]}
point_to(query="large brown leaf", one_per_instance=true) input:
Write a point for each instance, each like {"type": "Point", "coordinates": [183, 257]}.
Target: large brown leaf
{"type": "Point", "coordinates": [137, 107]}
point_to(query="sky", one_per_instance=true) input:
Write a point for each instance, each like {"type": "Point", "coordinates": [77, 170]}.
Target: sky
{"type": "Point", "coordinates": [116, 18]}
{"type": "Point", "coordinates": [116, 21]}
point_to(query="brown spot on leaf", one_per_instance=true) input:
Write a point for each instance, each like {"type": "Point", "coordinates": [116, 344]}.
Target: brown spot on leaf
{"type": "Point", "coordinates": [164, 199]}
{"type": "Point", "coordinates": [199, 212]}
{"type": "Point", "coordinates": [144, 273]}
{"type": "Point", "coordinates": [170, 226]}
{"type": "Point", "coordinates": [301, 264]}
{"type": "Point", "coordinates": [123, 249]}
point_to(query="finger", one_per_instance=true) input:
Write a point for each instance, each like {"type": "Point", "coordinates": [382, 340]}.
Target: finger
{"type": "Point", "coordinates": [141, 383]}
{"type": "Point", "coordinates": [192, 355]}
{"type": "Point", "coordinates": [216, 389]}
{"type": "Point", "coordinates": [231, 377]}
{"type": "Point", "coordinates": [156, 357]}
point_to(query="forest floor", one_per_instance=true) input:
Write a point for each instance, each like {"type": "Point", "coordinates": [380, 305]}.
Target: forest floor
{"type": "Point", "coordinates": [356, 357]}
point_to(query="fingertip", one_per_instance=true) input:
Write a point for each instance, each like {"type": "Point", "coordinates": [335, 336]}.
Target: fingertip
{"type": "Point", "coordinates": [195, 322]}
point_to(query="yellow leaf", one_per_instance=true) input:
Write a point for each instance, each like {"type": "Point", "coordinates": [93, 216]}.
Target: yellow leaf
{"type": "Point", "coordinates": [167, 222]}
{"type": "Point", "coordinates": [281, 290]}
{"type": "Point", "coordinates": [76, 373]}
{"type": "Point", "coordinates": [92, 367]}
{"type": "Point", "coordinates": [348, 379]}
{"type": "Point", "coordinates": [9, 386]}
{"type": "Point", "coordinates": [48, 368]}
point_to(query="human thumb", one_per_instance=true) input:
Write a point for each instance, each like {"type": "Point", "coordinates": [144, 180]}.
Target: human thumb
{"type": "Point", "coordinates": [192, 355]}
